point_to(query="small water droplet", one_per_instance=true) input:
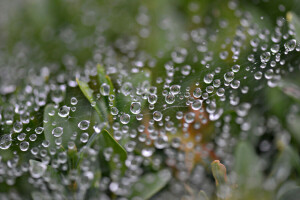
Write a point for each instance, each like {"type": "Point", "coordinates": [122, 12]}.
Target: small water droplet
{"type": "Point", "coordinates": [84, 124]}
{"type": "Point", "coordinates": [135, 107]}
{"type": "Point", "coordinates": [57, 132]}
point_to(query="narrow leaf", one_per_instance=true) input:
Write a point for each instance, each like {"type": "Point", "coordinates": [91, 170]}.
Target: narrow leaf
{"type": "Point", "coordinates": [202, 196]}
{"type": "Point", "coordinates": [99, 106]}
{"type": "Point", "coordinates": [295, 21]}
{"type": "Point", "coordinates": [109, 141]}
{"type": "Point", "coordinates": [150, 184]}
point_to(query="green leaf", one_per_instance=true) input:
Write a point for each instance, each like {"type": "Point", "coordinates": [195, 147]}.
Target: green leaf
{"type": "Point", "coordinates": [101, 74]}
{"type": "Point", "coordinates": [48, 127]}
{"type": "Point", "coordinates": [292, 194]}
{"type": "Point", "coordinates": [294, 127]}
{"type": "Point", "coordinates": [50, 173]}
{"type": "Point", "coordinates": [90, 142]}
{"type": "Point", "coordinates": [286, 160]}
{"type": "Point", "coordinates": [202, 196]}
{"type": "Point", "coordinates": [295, 21]}
{"type": "Point", "coordinates": [142, 81]}
{"type": "Point", "coordinates": [104, 78]}
{"type": "Point", "coordinates": [100, 106]}
{"type": "Point", "coordinates": [72, 158]}
{"type": "Point", "coordinates": [150, 184]}
{"type": "Point", "coordinates": [247, 166]}
{"type": "Point", "coordinates": [109, 141]}
{"type": "Point", "coordinates": [290, 89]}
{"type": "Point", "coordinates": [69, 124]}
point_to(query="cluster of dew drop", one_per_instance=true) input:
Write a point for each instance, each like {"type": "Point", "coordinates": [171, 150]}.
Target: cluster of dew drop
{"type": "Point", "coordinates": [169, 118]}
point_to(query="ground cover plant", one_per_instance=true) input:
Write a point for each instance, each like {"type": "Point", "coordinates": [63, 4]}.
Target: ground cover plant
{"type": "Point", "coordinates": [160, 99]}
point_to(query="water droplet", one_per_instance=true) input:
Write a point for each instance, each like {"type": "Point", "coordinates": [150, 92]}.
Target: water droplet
{"type": "Point", "coordinates": [114, 111]}
{"type": "Point", "coordinates": [147, 152]}
{"type": "Point", "coordinates": [57, 132]}
{"type": "Point", "coordinates": [105, 89]}
{"type": "Point", "coordinates": [197, 93]}
{"type": "Point", "coordinates": [74, 101]}
{"type": "Point", "coordinates": [235, 84]}
{"type": "Point", "coordinates": [290, 45]}
{"type": "Point", "coordinates": [84, 137]}
{"type": "Point", "coordinates": [157, 116]}
{"type": "Point", "coordinates": [186, 70]}
{"type": "Point", "coordinates": [5, 141]}
{"type": "Point", "coordinates": [258, 75]}
{"type": "Point", "coordinates": [84, 125]}
{"type": "Point", "coordinates": [64, 111]}
{"type": "Point", "coordinates": [208, 78]}
{"type": "Point", "coordinates": [170, 98]}
{"type": "Point", "coordinates": [235, 68]}
{"type": "Point", "coordinates": [189, 117]}
{"type": "Point", "coordinates": [18, 126]}
{"type": "Point", "coordinates": [196, 105]}
{"type": "Point", "coordinates": [179, 55]}
{"type": "Point", "coordinates": [39, 130]}
{"type": "Point", "coordinates": [152, 98]}
{"type": "Point", "coordinates": [175, 89]}
{"type": "Point", "coordinates": [37, 169]}
{"type": "Point", "coordinates": [125, 118]}
{"type": "Point", "coordinates": [24, 146]}
{"type": "Point", "coordinates": [135, 107]}
{"type": "Point", "coordinates": [126, 88]}
{"type": "Point", "coordinates": [265, 57]}
{"type": "Point", "coordinates": [229, 76]}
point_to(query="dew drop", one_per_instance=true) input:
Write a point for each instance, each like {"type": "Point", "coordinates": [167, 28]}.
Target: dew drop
{"type": "Point", "coordinates": [197, 93]}
{"type": "Point", "coordinates": [157, 115]}
{"type": "Point", "coordinates": [57, 132]}
{"type": "Point", "coordinates": [64, 111]}
{"type": "Point", "coordinates": [104, 89]}
{"type": "Point", "coordinates": [37, 169]}
{"type": "Point", "coordinates": [125, 118]}
{"type": "Point", "coordinates": [84, 125]}
{"type": "Point", "coordinates": [135, 107]}
{"type": "Point", "coordinates": [229, 76]}
{"type": "Point", "coordinates": [265, 57]}
{"type": "Point", "coordinates": [196, 105]}
{"type": "Point", "coordinates": [290, 45]}
{"type": "Point", "coordinates": [170, 98]}
{"type": "Point", "coordinates": [74, 101]}
{"type": "Point", "coordinates": [5, 141]}
{"type": "Point", "coordinates": [84, 137]}
{"type": "Point", "coordinates": [175, 89]}
{"type": "Point", "coordinates": [24, 146]}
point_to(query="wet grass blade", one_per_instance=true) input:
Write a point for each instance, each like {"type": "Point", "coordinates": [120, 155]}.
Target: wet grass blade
{"type": "Point", "coordinates": [100, 106]}
{"type": "Point", "coordinates": [150, 184]}
{"type": "Point", "coordinates": [295, 21]}
{"type": "Point", "coordinates": [109, 141]}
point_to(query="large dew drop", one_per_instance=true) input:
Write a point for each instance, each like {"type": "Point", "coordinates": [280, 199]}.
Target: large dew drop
{"type": "Point", "coordinates": [5, 141]}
